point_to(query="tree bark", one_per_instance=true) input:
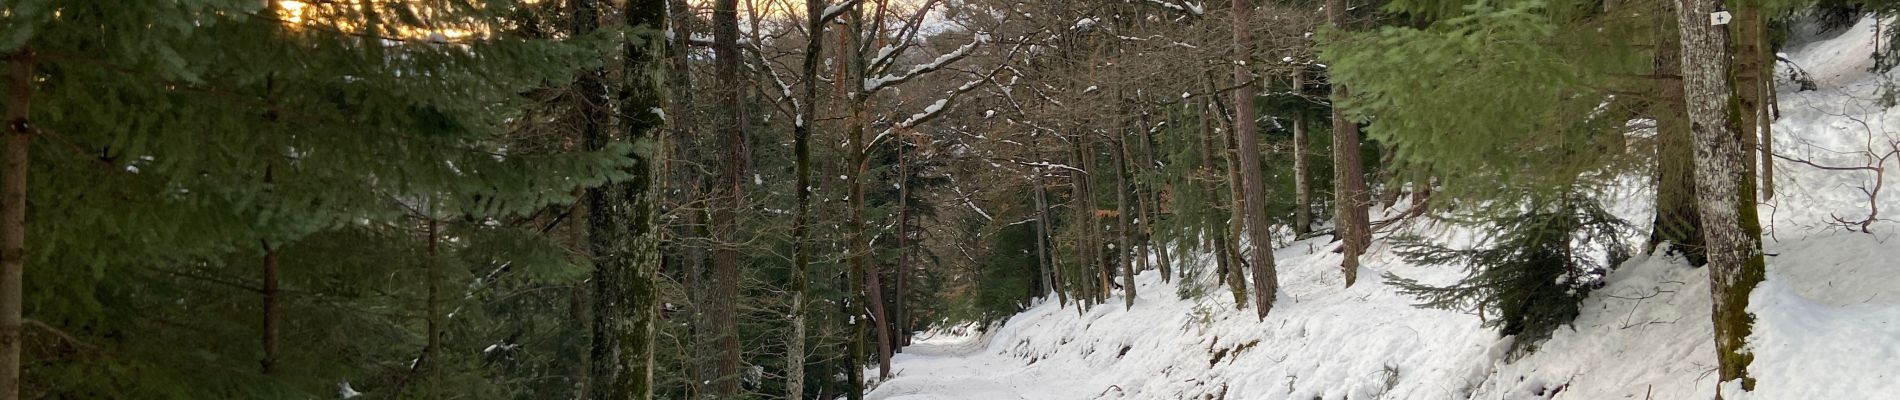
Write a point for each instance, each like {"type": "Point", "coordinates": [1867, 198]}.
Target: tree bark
{"type": "Point", "coordinates": [1266, 283]}
{"type": "Point", "coordinates": [1044, 253]}
{"type": "Point", "coordinates": [684, 187]}
{"type": "Point", "coordinates": [1768, 130]}
{"type": "Point", "coordinates": [635, 329]}
{"type": "Point", "coordinates": [1766, 114]}
{"type": "Point", "coordinates": [1677, 222]}
{"type": "Point", "coordinates": [1725, 195]}
{"type": "Point", "coordinates": [807, 106]}
{"type": "Point", "coordinates": [13, 219]}
{"type": "Point", "coordinates": [1224, 246]}
{"type": "Point", "coordinates": [1302, 193]}
{"type": "Point", "coordinates": [1349, 177]}
{"type": "Point", "coordinates": [1105, 272]}
{"type": "Point", "coordinates": [1153, 220]}
{"type": "Point", "coordinates": [1122, 250]}
{"type": "Point", "coordinates": [1136, 223]}
{"type": "Point", "coordinates": [900, 277]}
{"type": "Point", "coordinates": [1748, 28]}
{"type": "Point", "coordinates": [860, 298]}
{"type": "Point", "coordinates": [721, 307]}
{"type": "Point", "coordinates": [1086, 247]}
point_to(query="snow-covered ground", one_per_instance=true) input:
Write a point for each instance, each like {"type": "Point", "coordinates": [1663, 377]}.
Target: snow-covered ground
{"type": "Point", "coordinates": [1828, 322]}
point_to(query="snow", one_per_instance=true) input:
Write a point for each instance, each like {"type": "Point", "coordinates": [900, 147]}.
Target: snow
{"type": "Point", "coordinates": [874, 84]}
{"type": "Point", "coordinates": [932, 109]}
{"type": "Point", "coordinates": [1826, 317]}
{"type": "Point", "coordinates": [1190, 8]}
{"type": "Point", "coordinates": [1085, 23]}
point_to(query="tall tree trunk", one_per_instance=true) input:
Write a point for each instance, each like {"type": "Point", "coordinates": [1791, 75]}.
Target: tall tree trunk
{"type": "Point", "coordinates": [684, 188]}
{"type": "Point", "coordinates": [635, 309]}
{"type": "Point", "coordinates": [1105, 271]}
{"type": "Point", "coordinates": [1085, 247]}
{"type": "Point", "coordinates": [1748, 28]}
{"type": "Point", "coordinates": [1677, 222]}
{"type": "Point", "coordinates": [1724, 194]}
{"type": "Point", "coordinates": [1044, 253]}
{"type": "Point", "coordinates": [1097, 239]}
{"type": "Point", "coordinates": [1137, 222]}
{"type": "Point", "coordinates": [859, 297]}
{"type": "Point", "coordinates": [721, 307]}
{"type": "Point", "coordinates": [1265, 281]}
{"type": "Point", "coordinates": [1214, 127]}
{"type": "Point", "coordinates": [807, 106]}
{"type": "Point", "coordinates": [1236, 214]}
{"type": "Point", "coordinates": [1349, 176]}
{"type": "Point", "coordinates": [872, 271]}
{"type": "Point", "coordinates": [1151, 222]}
{"type": "Point", "coordinates": [591, 111]}
{"type": "Point", "coordinates": [1237, 207]}
{"type": "Point", "coordinates": [1122, 249]}
{"type": "Point", "coordinates": [1302, 192]}
{"type": "Point", "coordinates": [1765, 51]}
{"type": "Point", "coordinates": [901, 276]}
{"type": "Point", "coordinates": [1768, 127]}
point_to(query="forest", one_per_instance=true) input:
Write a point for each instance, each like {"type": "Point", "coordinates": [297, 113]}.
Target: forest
{"type": "Point", "coordinates": [949, 199]}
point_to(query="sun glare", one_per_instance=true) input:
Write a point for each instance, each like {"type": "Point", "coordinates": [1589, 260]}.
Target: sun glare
{"type": "Point", "coordinates": [344, 16]}
{"type": "Point", "coordinates": [292, 10]}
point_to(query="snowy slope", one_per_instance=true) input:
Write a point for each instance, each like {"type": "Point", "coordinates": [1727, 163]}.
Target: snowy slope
{"type": "Point", "coordinates": [1828, 316]}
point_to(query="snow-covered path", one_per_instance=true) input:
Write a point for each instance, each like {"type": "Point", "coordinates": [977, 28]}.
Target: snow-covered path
{"type": "Point", "coordinates": [956, 367]}
{"type": "Point", "coordinates": [1827, 316]}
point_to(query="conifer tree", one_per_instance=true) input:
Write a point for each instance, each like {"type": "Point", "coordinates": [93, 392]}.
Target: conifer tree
{"type": "Point", "coordinates": [218, 134]}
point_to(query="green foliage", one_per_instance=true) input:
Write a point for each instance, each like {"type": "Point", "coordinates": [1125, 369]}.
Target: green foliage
{"type": "Point", "coordinates": [1006, 278]}
{"type": "Point", "coordinates": [176, 140]}
{"type": "Point", "coordinates": [1528, 273]}
{"type": "Point", "coordinates": [1535, 86]}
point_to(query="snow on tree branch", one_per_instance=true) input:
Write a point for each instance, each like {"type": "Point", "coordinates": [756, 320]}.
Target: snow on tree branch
{"type": "Point", "coordinates": [879, 83]}
{"type": "Point", "coordinates": [888, 54]}
{"type": "Point", "coordinates": [937, 108]}
{"type": "Point", "coordinates": [1191, 8]}
{"type": "Point", "coordinates": [832, 12]}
